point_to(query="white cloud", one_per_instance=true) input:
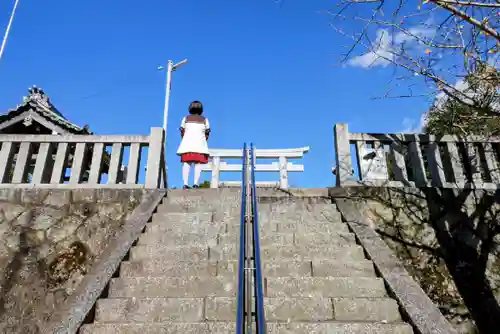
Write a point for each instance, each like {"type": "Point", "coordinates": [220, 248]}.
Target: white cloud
{"type": "Point", "coordinates": [374, 58]}
{"type": "Point", "coordinates": [410, 125]}
{"type": "Point", "coordinates": [413, 34]}
{"type": "Point", "coordinates": [385, 47]}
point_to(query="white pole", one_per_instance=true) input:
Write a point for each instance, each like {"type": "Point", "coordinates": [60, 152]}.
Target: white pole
{"type": "Point", "coordinates": [167, 95]}
{"type": "Point", "coordinates": [170, 68]}
{"type": "Point", "coordinates": [4, 42]}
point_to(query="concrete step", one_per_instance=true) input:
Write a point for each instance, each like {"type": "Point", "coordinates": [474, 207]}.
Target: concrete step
{"type": "Point", "coordinates": [289, 238]}
{"type": "Point", "coordinates": [163, 328]}
{"type": "Point", "coordinates": [276, 309]}
{"type": "Point", "coordinates": [137, 310]}
{"type": "Point", "coordinates": [225, 217]}
{"type": "Point", "coordinates": [334, 287]}
{"type": "Point", "coordinates": [190, 226]}
{"type": "Point", "coordinates": [202, 195]}
{"type": "Point", "coordinates": [218, 209]}
{"type": "Point", "coordinates": [311, 309]}
{"type": "Point", "coordinates": [301, 215]}
{"type": "Point", "coordinates": [234, 227]}
{"type": "Point", "coordinates": [304, 253]}
{"type": "Point", "coordinates": [296, 226]}
{"type": "Point", "coordinates": [210, 229]}
{"type": "Point", "coordinates": [298, 206]}
{"type": "Point", "coordinates": [317, 268]}
{"type": "Point", "coordinates": [179, 239]}
{"type": "Point", "coordinates": [339, 328]}
{"type": "Point", "coordinates": [324, 238]}
{"type": "Point", "coordinates": [166, 267]}
{"type": "Point", "coordinates": [182, 217]}
{"type": "Point", "coordinates": [230, 252]}
{"type": "Point", "coordinates": [182, 287]}
{"type": "Point", "coordinates": [230, 328]}
{"type": "Point", "coordinates": [218, 213]}
{"type": "Point", "coordinates": [302, 218]}
{"type": "Point", "coordinates": [163, 266]}
{"type": "Point", "coordinates": [196, 207]}
{"type": "Point", "coordinates": [195, 238]}
{"type": "Point", "coordinates": [190, 204]}
{"type": "Point", "coordinates": [329, 268]}
{"type": "Point", "coordinates": [175, 253]}
{"type": "Point", "coordinates": [312, 227]}
{"type": "Point", "coordinates": [173, 213]}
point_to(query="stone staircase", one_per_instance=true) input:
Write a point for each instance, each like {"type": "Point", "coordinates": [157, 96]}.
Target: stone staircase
{"type": "Point", "coordinates": [317, 279]}
{"type": "Point", "coordinates": [181, 277]}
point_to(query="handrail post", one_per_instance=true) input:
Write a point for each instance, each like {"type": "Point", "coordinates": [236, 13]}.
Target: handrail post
{"type": "Point", "coordinates": [343, 153]}
{"type": "Point", "coordinates": [155, 155]}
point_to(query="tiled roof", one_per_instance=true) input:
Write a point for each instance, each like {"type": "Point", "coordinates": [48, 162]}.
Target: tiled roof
{"type": "Point", "coordinates": [39, 102]}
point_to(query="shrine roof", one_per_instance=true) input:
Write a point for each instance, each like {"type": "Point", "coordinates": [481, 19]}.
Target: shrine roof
{"type": "Point", "coordinates": [39, 102]}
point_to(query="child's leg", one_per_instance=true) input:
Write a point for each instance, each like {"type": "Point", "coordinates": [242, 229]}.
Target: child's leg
{"type": "Point", "coordinates": [185, 172]}
{"type": "Point", "coordinates": [197, 173]}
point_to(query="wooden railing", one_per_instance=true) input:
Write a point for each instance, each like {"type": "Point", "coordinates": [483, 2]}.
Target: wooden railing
{"type": "Point", "coordinates": [416, 160]}
{"type": "Point", "coordinates": [218, 165]}
{"type": "Point", "coordinates": [81, 161]}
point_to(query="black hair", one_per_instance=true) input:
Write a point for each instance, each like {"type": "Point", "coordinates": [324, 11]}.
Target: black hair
{"type": "Point", "coordinates": [196, 108]}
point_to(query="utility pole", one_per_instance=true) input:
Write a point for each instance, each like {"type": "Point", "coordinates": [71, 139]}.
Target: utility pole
{"type": "Point", "coordinates": [170, 69]}
{"type": "Point", "coordinates": [5, 37]}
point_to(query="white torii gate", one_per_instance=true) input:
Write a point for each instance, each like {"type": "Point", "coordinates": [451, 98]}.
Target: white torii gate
{"type": "Point", "coordinates": [217, 165]}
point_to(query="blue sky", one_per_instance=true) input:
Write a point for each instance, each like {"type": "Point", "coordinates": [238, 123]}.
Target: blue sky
{"type": "Point", "coordinates": [266, 73]}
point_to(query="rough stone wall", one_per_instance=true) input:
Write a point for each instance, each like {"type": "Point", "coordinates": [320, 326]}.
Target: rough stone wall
{"type": "Point", "coordinates": [48, 241]}
{"type": "Point", "coordinates": [403, 218]}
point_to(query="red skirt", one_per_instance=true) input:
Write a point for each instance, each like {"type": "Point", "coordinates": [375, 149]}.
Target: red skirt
{"type": "Point", "coordinates": [198, 158]}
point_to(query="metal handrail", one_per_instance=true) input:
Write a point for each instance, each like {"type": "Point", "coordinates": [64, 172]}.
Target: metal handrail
{"type": "Point", "coordinates": [240, 313]}
{"type": "Point", "coordinates": [249, 259]}
{"type": "Point", "coordinates": [259, 292]}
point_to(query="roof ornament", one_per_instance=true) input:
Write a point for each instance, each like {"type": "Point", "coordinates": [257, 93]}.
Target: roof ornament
{"type": "Point", "coordinates": [38, 102]}
{"type": "Point", "coordinates": [38, 95]}
{"type": "Point", "coordinates": [28, 120]}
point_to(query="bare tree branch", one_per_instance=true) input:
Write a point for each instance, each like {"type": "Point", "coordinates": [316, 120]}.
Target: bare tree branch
{"type": "Point", "coordinates": [471, 3]}
{"type": "Point", "coordinates": [481, 25]}
{"type": "Point", "coordinates": [440, 46]}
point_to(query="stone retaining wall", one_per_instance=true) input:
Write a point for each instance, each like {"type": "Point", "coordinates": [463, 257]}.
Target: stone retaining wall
{"type": "Point", "coordinates": [427, 230]}
{"type": "Point", "coordinates": [49, 239]}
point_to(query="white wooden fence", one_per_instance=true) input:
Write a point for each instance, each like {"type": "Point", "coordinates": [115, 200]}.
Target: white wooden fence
{"type": "Point", "coordinates": [416, 160]}
{"type": "Point", "coordinates": [50, 160]}
{"type": "Point", "coordinates": [218, 165]}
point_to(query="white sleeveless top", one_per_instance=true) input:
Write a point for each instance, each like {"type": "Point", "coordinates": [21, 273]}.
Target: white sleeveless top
{"type": "Point", "coordinates": [194, 140]}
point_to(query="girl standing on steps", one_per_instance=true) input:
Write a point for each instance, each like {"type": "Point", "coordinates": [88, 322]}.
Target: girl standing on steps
{"type": "Point", "coordinates": [193, 149]}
